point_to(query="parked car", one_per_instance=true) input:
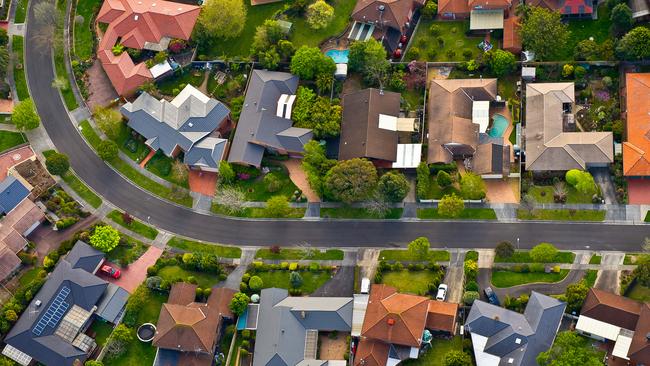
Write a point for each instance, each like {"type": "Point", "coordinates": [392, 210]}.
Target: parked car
{"type": "Point", "coordinates": [442, 292]}
{"type": "Point", "coordinates": [365, 285]}
{"type": "Point", "coordinates": [110, 271]}
{"type": "Point", "coordinates": [491, 296]}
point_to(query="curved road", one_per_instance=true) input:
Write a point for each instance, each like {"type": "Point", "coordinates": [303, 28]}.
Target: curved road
{"type": "Point", "coordinates": [120, 192]}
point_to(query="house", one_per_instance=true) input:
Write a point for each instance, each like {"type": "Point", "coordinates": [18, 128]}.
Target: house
{"type": "Point", "coordinates": [505, 337]}
{"type": "Point", "coordinates": [640, 9]}
{"type": "Point", "coordinates": [460, 111]}
{"type": "Point", "coordinates": [187, 331]}
{"type": "Point", "coordinates": [190, 123]}
{"type": "Point", "coordinates": [371, 128]}
{"type": "Point", "coordinates": [265, 120]}
{"type": "Point", "coordinates": [511, 36]}
{"type": "Point", "coordinates": [21, 217]}
{"type": "Point", "coordinates": [636, 148]}
{"type": "Point", "coordinates": [552, 140]}
{"type": "Point", "coordinates": [484, 15]}
{"type": "Point", "coordinates": [140, 24]}
{"type": "Point", "coordinates": [288, 327]}
{"type": "Point", "coordinates": [625, 322]}
{"type": "Point", "coordinates": [388, 21]}
{"type": "Point", "coordinates": [396, 326]}
{"type": "Point", "coordinates": [32, 173]}
{"type": "Point", "coordinates": [568, 8]}
{"type": "Point", "coordinates": [52, 329]}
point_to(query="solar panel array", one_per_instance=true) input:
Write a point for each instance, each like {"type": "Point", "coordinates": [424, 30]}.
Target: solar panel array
{"type": "Point", "coordinates": [53, 313]}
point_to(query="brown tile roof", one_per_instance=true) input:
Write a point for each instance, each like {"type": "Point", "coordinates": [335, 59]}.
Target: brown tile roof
{"type": "Point", "coordinates": [9, 262]}
{"type": "Point", "coordinates": [371, 353]}
{"type": "Point", "coordinates": [18, 221]}
{"type": "Point", "coordinates": [511, 36]}
{"type": "Point", "coordinates": [441, 316]}
{"type": "Point", "coordinates": [639, 351]}
{"type": "Point", "coordinates": [490, 4]}
{"type": "Point", "coordinates": [395, 15]}
{"type": "Point", "coordinates": [612, 309]}
{"type": "Point", "coordinates": [636, 149]}
{"type": "Point", "coordinates": [492, 158]}
{"type": "Point", "coordinates": [361, 136]}
{"type": "Point", "coordinates": [188, 326]}
{"type": "Point", "coordinates": [458, 7]}
{"type": "Point", "coordinates": [395, 318]}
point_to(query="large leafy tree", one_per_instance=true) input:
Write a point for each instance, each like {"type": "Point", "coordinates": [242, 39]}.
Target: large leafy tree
{"type": "Point", "coordinates": [575, 295]}
{"type": "Point", "coordinates": [351, 180]}
{"type": "Point", "coordinates": [642, 273]}
{"type": "Point", "coordinates": [472, 186]}
{"type": "Point", "coordinates": [317, 113]}
{"type": "Point", "coordinates": [457, 358]}
{"type": "Point", "coordinates": [369, 58]}
{"type": "Point", "coordinates": [239, 303]}
{"type": "Point", "coordinates": [222, 18]}
{"type": "Point", "coordinates": [277, 206]}
{"type": "Point", "coordinates": [107, 150]}
{"type": "Point", "coordinates": [543, 253]}
{"type": "Point", "coordinates": [393, 186]}
{"type": "Point", "coordinates": [542, 31]}
{"type": "Point", "coordinates": [24, 116]}
{"type": "Point", "coordinates": [501, 62]}
{"type": "Point", "coordinates": [309, 62]}
{"type": "Point", "coordinates": [570, 349]}
{"type": "Point", "coordinates": [57, 163]}
{"type": "Point", "coordinates": [105, 238]}
{"type": "Point", "coordinates": [319, 14]}
{"type": "Point", "coordinates": [621, 19]}
{"type": "Point", "coordinates": [419, 248]}
{"type": "Point", "coordinates": [316, 165]}
{"type": "Point", "coordinates": [451, 205]}
{"type": "Point", "coordinates": [504, 249]}
{"type": "Point", "coordinates": [109, 121]}
{"type": "Point", "coordinates": [634, 45]}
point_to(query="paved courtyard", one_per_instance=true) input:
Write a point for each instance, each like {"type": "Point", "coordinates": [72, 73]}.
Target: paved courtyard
{"type": "Point", "coordinates": [13, 157]}
{"type": "Point", "coordinates": [136, 272]}
{"type": "Point", "coordinates": [502, 191]}
{"type": "Point", "coordinates": [202, 182]}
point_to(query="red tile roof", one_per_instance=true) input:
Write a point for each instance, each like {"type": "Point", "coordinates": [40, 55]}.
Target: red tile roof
{"type": "Point", "coordinates": [612, 309]}
{"type": "Point", "coordinates": [636, 150]}
{"type": "Point", "coordinates": [135, 23]}
{"type": "Point", "coordinates": [511, 37]}
{"type": "Point", "coordinates": [371, 353]}
{"type": "Point", "coordinates": [441, 316]}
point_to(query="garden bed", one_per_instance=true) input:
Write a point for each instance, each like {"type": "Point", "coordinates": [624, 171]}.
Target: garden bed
{"type": "Point", "coordinates": [504, 279]}
{"type": "Point", "coordinates": [298, 254]}
{"type": "Point", "coordinates": [358, 213]}
{"type": "Point", "coordinates": [198, 247]}
{"type": "Point", "coordinates": [561, 215]}
{"type": "Point", "coordinates": [466, 214]}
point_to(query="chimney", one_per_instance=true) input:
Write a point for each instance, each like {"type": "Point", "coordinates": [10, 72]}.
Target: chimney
{"type": "Point", "coordinates": [391, 321]}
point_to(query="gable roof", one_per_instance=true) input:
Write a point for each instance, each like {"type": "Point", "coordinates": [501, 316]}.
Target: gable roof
{"type": "Point", "coordinates": [395, 14]}
{"type": "Point", "coordinates": [361, 136]}
{"type": "Point", "coordinates": [639, 351]}
{"type": "Point", "coordinates": [85, 257]}
{"type": "Point", "coordinates": [612, 309]}
{"type": "Point", "coordinates": [259, 126]}
{"type": "Point", "coordinates": [284, 322]}
{"type": "Point", "coordinates": [548, 147]}
{"type": "Point", "coordinates": [441, 316]}
{"type": "Point", "coordinates": [12, 192]}
{"type": "Point", "coordinates": [371, 352]}
{"type": "Point", "coordinates": [12, 227]}
{"type": "Point", "coordinates": [511, 335]}
{"type": "Point", "coordinates": [636, 150]}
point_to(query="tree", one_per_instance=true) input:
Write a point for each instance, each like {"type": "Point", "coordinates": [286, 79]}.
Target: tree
{"type": "Point", "coordinates": [642, 273]}
{"type": "Point", "coordinates": [316, 165]}
{"type": "Point", "coordinates": [443, 179]}
{"type": "Point", "coordinates": [582, 181]}
{"type": "Point", "coordinates": [107, 150]}
{"type": "Point", "coordinates": [393, 186]}
{"type": "Point", "coordinates": [504, 249]}
{"type": "Point", "coordinates": [57, 163]}
{"type": "Point", "coordinates": [575, 295]}
{"type": "Point", "coordinates": [255, 283]}
{"type": "Point", "coordinates": [501, 62]}
{"type": "Point", "coordinates": [269, 59]}
{"type": "Point", "coordinates": [105, 238]}
{"type": "Point", "coordinates": [319, 14]}
{"type": "Point", "coordinates": [309, 62]}
{"type": "Point", "coordinates": [470, 296]}
{"type": "Point", "coordinates": [451, 205]}
{"type": "Point", "coordinates": [543, 253]}
{"type": "Point", "coordinates": [295, 279]}
{"type": "Point", "coordinates": [422, 172]}
{"type": "Point", "coordinates": [226, 172]}
{"type": "Point", "coordinates": [569, 349]}
{"type": "Point", "coordinates": [179, 171]}
{"type": "Point", "coordinates": [24, 116]}
{"type": "Point", "coordinates": [239, 303]}
{"type": "Point", "coordinates": [419, 248]}
{"type": "Point", "coordinates": [269, 34]}
{"type": "Point", "coordinates": [542, 31]}
{"type": "Point", "coordinates": [587, 50]}
{"type": "Point", "coordinates": [232, 199]}
{"type": "Point", "coordinates": [4, 37]}
{"type": "Point", "coordinates": [472, 186]}
{"type": "Point", "coordinates": [457, 358]}
{"type": "Point", "coordinates": [621, 18]}
{"type": "Point", "coordinates": [109, 121]}
{"type": "Point", "coordinates": [634, 44]}
{"type": "Point", "coordinates": [119, 338]}
{"type": "Point", "coordinates": [222, 18]}
{"type": "Point", "coordinates": [93, 363]}
{"type": "Point", "coordinates": [277, 206]}
{"type": "Point", "coordinates": [351, 180]}
{"type": "Point", "coordinates": [369, 58]}
{"type": "Point", "coordinates": [429, 10]}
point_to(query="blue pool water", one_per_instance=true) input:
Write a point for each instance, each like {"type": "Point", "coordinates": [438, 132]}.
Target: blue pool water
{"type": "Point", "coordinates": [339, 56]}
{"type": "Point", "coordinates": [499, 125]}
{"type": "Point", "coordinates": [241, 321]}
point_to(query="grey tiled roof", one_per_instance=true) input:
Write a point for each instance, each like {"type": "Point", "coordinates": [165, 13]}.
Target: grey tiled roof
{"type": "Point", "coordinates": [12, 192]}
{"type": "Point", "coordinates": [112, 303]}
{"type": "Point", "coordinates": [84, 256]}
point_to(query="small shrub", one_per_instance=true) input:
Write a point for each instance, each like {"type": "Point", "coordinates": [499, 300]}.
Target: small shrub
{"type": "Point", "coordinates": [471, 286]}
{"type": "Point", "coordinates": [293, 266]}
{"type": "Point", "coordinates": [284, 265]}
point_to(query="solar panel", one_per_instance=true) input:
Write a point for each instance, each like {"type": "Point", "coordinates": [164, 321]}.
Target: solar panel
{"type": "Point", "coordinates": [54, 312]}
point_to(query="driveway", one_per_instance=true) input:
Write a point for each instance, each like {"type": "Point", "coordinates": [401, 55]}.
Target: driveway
{"type": "Point", "coordinates": [136, 272]}
{"type": "Point", "coordinates": [341, 285]}
{"type": "Point", "coordinates": [604, 180]}
{"type": "Point", "coordinates": [608, 276]}
{"type": "Point", "coordinates": [454, 277]}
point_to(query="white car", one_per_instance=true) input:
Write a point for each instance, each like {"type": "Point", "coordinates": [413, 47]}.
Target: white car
{"type": "Point", "coordinates": [442, 292]}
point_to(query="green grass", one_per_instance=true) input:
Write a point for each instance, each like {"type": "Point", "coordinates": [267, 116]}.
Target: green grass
{"type": "Point", "coordinates": [84, 33]}
{"type": "Point", "coordinates": [257, 212]}
{"type": "Point", "coordinates": [302, 34]}
{"type": "Point", "coordinates": [434, 355]}
{"type": "Point", "coordinates": [595, 259]}
{"type": "Point", "coordinates": [632, 258]}
{"type": "Point", "coordinates": [472, 255]}
{"type": "Point", "coordinates": [647, 216]}
{"type": "Point", "coordinates": [197, 247]}
{"type": "Point", "coordinates": [582, 29]}
{"type": "Point", "coordinates": [81, 189]}
{"type": "Point", "coordinates": [185, 76]}
{"type": "Point", "coordinates": [280, 279]}
{"type": "Point", "coordinates": [128, 252]}
{"type": "Point", "coordinates": [524, 257]}
{"type": "Point", "coordinates": [102, 331]}
{"type": "Point", "coordinates": [255, 189]}
{"type": "Point", "coordinates": [133, 174]}
{"type": "Point", "coordinates": [204, 280]}
{"type": "Point", "coordinates": [29, 276]}
{"type": "Point", "coordinates": [453, 35]}
{"type": "Point", "coordinates": [296, 254]}
{"type": "Point", "coordinates": [141, 150]}
{"type": "Point", "coordinates": [436, 192]}
{"type": "Point", "coordinates": [467, 214]}
{"type": "Point", "coordinates": [21, 11]}
{"type": "Point", "coordinates": [136, 226]}
{"type": "Point", "coordinates": [639, 293]}
{"type": "Point", "coordinates": [17, 45]}
{"type": "Point", "coordinates": [562, 215]}
{"type": "Point", "coordinates": [406, 255]}
{"type": "Point", "coordinates": [358, 213]}
{"type": "Point", "coordinates": [413, 282]}
{"type": "Point", "coordinates": [590, 277]}
{"type": "Point", "coordinates": [161, 165]}
{"type": "Point", "coordinates": [59, 62]}
{"type": "Point", "coordinates": [10, 139]}
{"type": "Point", "coordinates": [544, 194]}
{"type": "Point", "coordinates": [503, 279]}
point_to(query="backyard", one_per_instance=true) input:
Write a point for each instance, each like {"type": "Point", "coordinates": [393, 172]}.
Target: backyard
{"type": "Point", "coordinates": [439, 348]}
{"type": "Point", "coordinates": [174, 84]}
{"type": "Point", "coordinates": [10, 139]}
{"type": "Point", "coordinates": [503, 278]}
{"type": "Point", "coordinates": [446, 42]}
{"type": "Point", "coordinates": [466, 214]}
{"type": "Point", "coordinates": [198, 247]}
{"type": "Point", "coordinates": [102, 331]}
{"type": "Point", "coordinates": [582, 29]}
{"type": "Point", "coordinates": [561, 215]}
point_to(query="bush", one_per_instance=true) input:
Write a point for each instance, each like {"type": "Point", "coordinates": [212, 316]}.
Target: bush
{"type": "Point", "coordinates": [543, 253]}
{"type": "Point", "coordinates": [314, 267]}
{"type": "Point", "coordinates": [471, 286]}
{"type": "Point", "coordinates": [504, 249]}
{"type": "Point", "coordinates": [293, 266]}
{"type": "Point", "coordinates": [443, 179]}
{"type": "Point", "coordinates": [246, 334]}
{"type": "Point", "coordinates": [246, 277]}
{"type": "Point", "coordinates": [469, 297]}
{"type": "Point", "coordinates": [284, 266]}
{"type": "Point", "coordinates": [255, 283]}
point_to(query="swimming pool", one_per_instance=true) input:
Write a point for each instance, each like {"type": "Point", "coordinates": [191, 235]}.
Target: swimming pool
{"type": "Point", "coordinates": [339, 56]}
{"type": "Point", "coordinates": [499, 126]}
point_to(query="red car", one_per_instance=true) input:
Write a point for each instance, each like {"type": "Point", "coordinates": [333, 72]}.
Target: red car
{"type": "Point", "coordinates": [110, 271]}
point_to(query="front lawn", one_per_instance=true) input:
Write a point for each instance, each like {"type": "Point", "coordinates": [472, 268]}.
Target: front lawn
{"type": "Point", "coordinates": [280, 279]}
{"type": "Point", "coordinates": [17, 45]}
{"type": "Point", "coordinates": [524, 257]}
{"type": "Point", "coordinates": [133, 147]}
{"type": "Point", "coordinates": [136, 226]}
{"type": "Point", "coordinates": [81, 189]}
{"type": "Point", "coordinates": [203, 279]}
{"type": "Point", "coordinates": [358, 213]}
{"type": "Point", "coordinates": [21, 12]}
{"type": "Point", "coordinates": [59, 62]}
{"type": "Point", "coordinates": [413, 282]}
{"type": "Point", "coordinates": [632, 258]}
{"type": "Point", "coordinates": [639, 293]}
{"type": "Point", "coordinates": [257, 212]}
{"type": "Point", "coordinates": [561, 215]}
{"type": "Point", "coordinates": [197, 247]}
{"type": "Point", "coordinates": [467, 214]}
{"type": "Point", "coordinates": [161, 165]}
{"type": "Point", "coordinates": [127, 252]}
{"type": "Point", "coordinates": [503, 279]}
{"type": "Point", "coordinates": [595, 259]}
{"type": "Point", "coordinates": [406, 255]}
{"type": "Point", "coordinates": [10, 139]}
{"type": "Point", "coordinates": [297, 254]}
{"type": "Point", "coordinates": [471, 255]}
{"type": "Point", "coordinates": [452, 34]}
{"type": "Point", "coordinates": [544, 194]}
{"type": "Point", "coordinates": [590, 277]}
{"type": "Point", "coordinates": [83, 28]}
{"type": "Point", "coordinates": [434, 355]}
{"type": "Point", "coordinates": [435, 192]}
{"type": "Point", "coordinates": [256, 189]}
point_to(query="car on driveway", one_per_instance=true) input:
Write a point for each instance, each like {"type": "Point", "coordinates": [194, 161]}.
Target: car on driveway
{"type": "Point", "coordinates": [491, 296]}
{"type": "Point", "coordinates": [442, 292]}
{"type": "Point", "coordinates": [110, 271]}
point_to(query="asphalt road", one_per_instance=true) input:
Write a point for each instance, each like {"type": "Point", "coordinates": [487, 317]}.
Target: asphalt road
{"type": "Point", "coordinates": [120, 192]}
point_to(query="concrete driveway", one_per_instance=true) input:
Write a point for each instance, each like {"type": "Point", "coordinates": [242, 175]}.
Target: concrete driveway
{"type": "Point", "coordinates": [341, 285]}
{"type": "Point", "coordinates": [608, 276]}
{"type": "Point", "coordinates": [133, 275]}
{"type": "Point", "coordinates": [454, 277]}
